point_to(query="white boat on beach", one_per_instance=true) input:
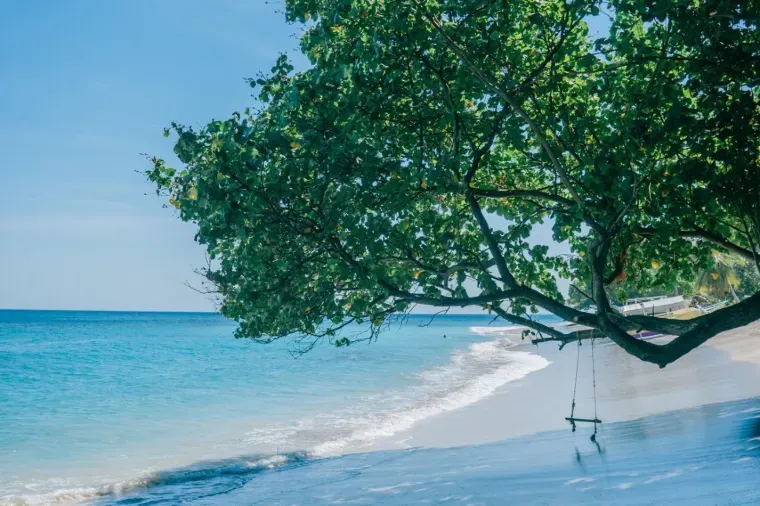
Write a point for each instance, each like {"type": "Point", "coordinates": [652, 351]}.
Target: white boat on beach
{"type": "Point", "coordinates": [653, 306]}
{"type": "Point", "coordinates": [675, 307]}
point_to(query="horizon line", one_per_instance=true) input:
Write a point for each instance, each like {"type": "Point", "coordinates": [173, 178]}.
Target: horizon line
{"type": "Point", "coordinates": [194, 312]}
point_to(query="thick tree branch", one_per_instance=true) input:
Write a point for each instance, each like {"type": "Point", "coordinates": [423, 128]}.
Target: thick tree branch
{"type": "Point", "coordinates": [699, 233]}
{"type": "Point", "coordinates": [704, 328]}
{"type": "Point", "coordinates": [516, 291]}
{"type": "Point", "coordinates": [598, 250]}
{"type": "Point", "coordinates": [526, 322]}
{"type": "Point", "coordinates": [690, 333]}
{"type": "Point", "coordinates": [665, 326]}
{"type": "Point", "coordinates": [541, 329]}
{"type": "Point", "coordinates": [557, 308]}
{"type": "Point", "coordinates": [493, 246]}
{"type": "Point", "coordinates": [644, 350]}
{"type": "Point", "coordinates": [710, 325]}
{"type": "Point", "coordinates": [478, 300]}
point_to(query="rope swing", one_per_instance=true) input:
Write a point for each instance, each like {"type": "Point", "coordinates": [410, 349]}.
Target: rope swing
{"type": "Point", "coordinates": [572, 419]}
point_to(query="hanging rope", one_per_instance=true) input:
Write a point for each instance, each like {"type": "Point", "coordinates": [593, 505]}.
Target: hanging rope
{"type": "Point", "coordinates": [575, 385]}
{"type": "Point", "coordinates": [593, 381]}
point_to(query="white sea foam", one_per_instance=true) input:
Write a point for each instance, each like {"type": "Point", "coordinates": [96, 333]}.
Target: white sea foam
{"type": "Point", "coordinates": [391, 488]}
{"type": "Point", "coordinates": [69, 495]}
{"type": "Point", "coordinates": [498, 331]}
{"type": "Point", "coordinates": [470, 376]}
{"type": "Point", "coordinates": [664, 476]}
{"type": "Point", "coordinates": [453, 387]}
{"type": "Point", "coordinates": [579, 480]}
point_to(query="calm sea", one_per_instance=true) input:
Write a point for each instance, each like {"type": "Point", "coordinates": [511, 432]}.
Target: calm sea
{"type": "Point", "coordinates": [101, 403]}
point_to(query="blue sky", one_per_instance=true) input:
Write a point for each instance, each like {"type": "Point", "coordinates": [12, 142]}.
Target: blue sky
{"type": "Point", "coordinates": [86, 86]}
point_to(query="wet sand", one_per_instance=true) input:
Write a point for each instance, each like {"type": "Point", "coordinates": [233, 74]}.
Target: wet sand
{"type": "Point", "coordinates": [701, 456]}
{"type": "Point", "coordinates": [626, 388]}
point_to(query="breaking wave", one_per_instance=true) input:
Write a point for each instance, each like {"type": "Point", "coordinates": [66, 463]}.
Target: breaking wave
{"type": "Point", "coordinates": [217, 476]}
{"type": "Point", "coordinates": [469, 376]}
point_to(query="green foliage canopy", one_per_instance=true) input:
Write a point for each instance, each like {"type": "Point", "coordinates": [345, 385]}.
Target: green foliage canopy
{"type": "Point", "coordinates": [368, 183]}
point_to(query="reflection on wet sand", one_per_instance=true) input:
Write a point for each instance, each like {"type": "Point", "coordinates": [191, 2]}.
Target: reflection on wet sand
{"type": "Point", "coordinates": [697, 456]}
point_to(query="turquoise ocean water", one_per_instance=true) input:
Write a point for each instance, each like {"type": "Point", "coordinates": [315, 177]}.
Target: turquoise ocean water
{"type": "Point", "coordinates": [100, 403]}
{"type": "Point", "coordinates": [166, 408]}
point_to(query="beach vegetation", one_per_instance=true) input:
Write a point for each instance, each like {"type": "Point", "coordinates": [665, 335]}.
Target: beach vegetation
{"type": "Point", "coordinates": [412, 158]}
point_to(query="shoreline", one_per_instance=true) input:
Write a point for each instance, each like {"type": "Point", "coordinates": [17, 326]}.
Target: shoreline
{"type": "Point", "coordinates": [726, 369]}
{"type": "Point", "coordinates": [704, 455]}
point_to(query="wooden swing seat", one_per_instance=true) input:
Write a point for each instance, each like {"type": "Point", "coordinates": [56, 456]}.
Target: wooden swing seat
{"type": "Point", "coordinates": [587, 420]}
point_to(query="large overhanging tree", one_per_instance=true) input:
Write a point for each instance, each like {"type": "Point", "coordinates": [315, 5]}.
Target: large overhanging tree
{"type": "Point", "coordinates": [371, 182]}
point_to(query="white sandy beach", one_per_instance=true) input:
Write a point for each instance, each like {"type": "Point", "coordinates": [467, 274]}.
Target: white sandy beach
{"type": "Point", "coordinates": [727, 369]}
{"type": "Point", "coordinates": [741, 344]}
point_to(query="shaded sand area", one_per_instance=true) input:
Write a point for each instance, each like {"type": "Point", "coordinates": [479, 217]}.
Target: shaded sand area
{"type": "Point", "coordinates": [626, 388]}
